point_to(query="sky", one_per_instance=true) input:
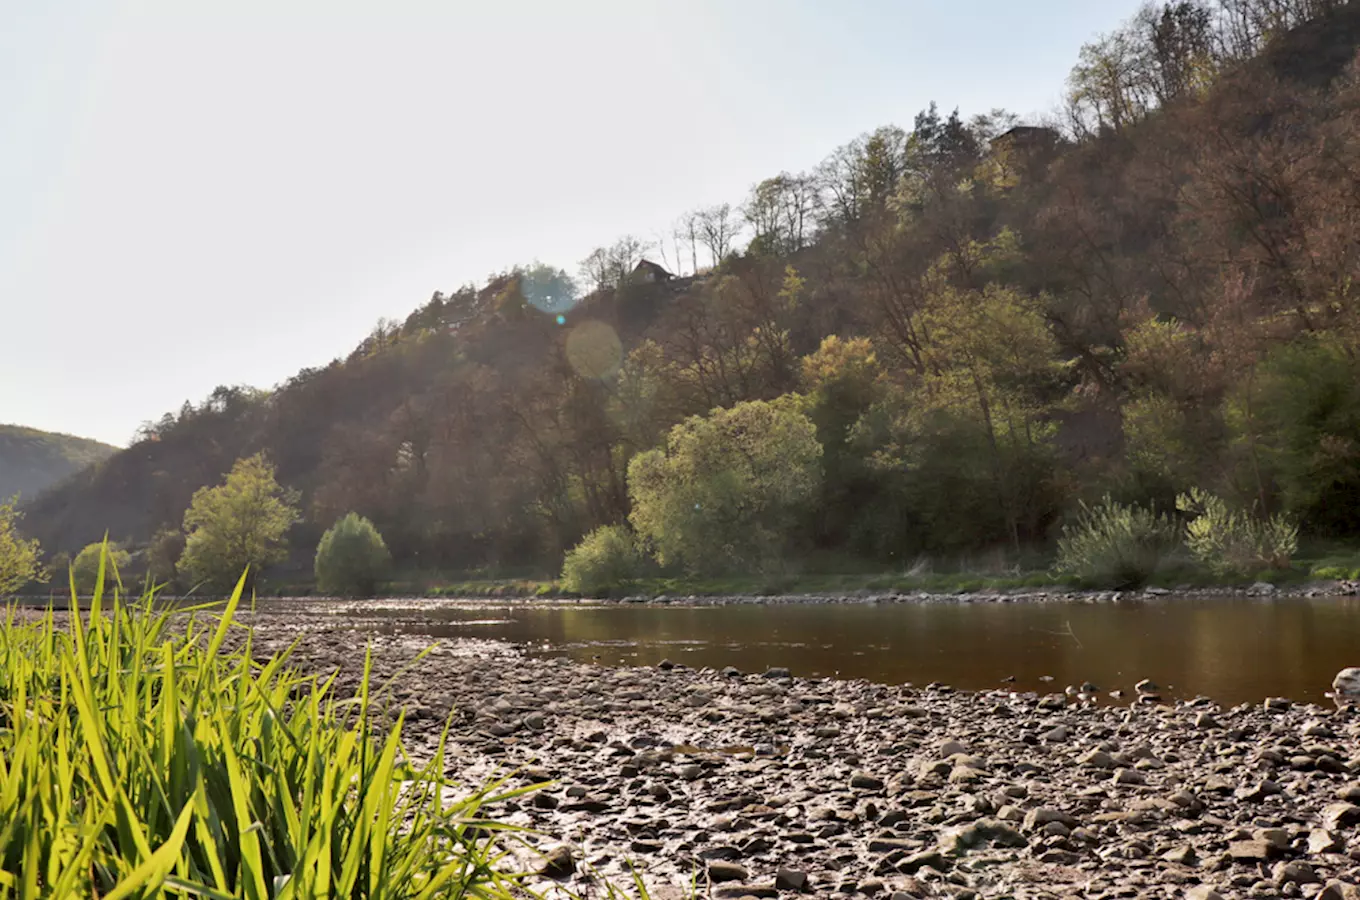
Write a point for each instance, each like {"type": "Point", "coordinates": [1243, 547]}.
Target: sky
{"type": "Point", "coordinates": [197, 193]}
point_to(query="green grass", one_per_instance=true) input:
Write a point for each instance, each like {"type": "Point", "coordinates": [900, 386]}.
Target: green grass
{"type": "Point", "coordinates": [139, 757]}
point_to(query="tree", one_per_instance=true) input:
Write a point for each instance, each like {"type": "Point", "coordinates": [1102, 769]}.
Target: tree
{"type": "Point", "coordinates": [716, 229]}
{"type": "Point", "coordinates": [780, 212]}
{"type": "Point", "coordinates": [85, 567]}
{"type": "Point", "coordinates": [237, 525]}
{"type": "Point", "coordinates": [727, 489]}
{"type": "Point", "coordinates": [18, 556]}
{"type": "Point", "coordinates": [351, 559]}
{"type": "Point", "coordinates": [547, 289]}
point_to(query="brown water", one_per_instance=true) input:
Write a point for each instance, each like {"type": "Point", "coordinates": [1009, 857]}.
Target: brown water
{"type": "Point", "coordinates": [1230, 649]}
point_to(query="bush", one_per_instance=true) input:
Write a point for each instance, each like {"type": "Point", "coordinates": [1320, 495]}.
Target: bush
{"type": "Point", "coordinates": [351, 559]}
{"type": "Point", "coordinates": [85, 568]}
{"type": "Point", "coordinates": [605, 560]}
{"type": "Point", "coordinates": [1231, 542]}
{"type": "Point", "coordinates": [148, 759]}
{"type": "Point", "coordinates": [1115, 546]}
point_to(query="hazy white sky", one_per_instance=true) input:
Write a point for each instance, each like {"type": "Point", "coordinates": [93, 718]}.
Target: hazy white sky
{"type": "Point", "coordinates": [199, 193]}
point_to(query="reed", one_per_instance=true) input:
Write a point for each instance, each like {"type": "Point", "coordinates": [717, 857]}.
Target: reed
{"type": "Point", "coordinates": [140, 756]}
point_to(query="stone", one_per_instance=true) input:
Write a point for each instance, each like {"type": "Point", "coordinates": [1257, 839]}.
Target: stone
{"type": "Point", "coordinates": [1041, 816]}
{"type": "Point", "coordinates": [866, 782]}
{"type": "Point", "coordinates": [544, 800]}
{"type": "Point", "coordinates": [1146, 686]}
{"type": "Point", "coordinates": [1263, 789]}
{"type": "Point", "coordinates": [1203, 892]}
{"type": "Point", "coordinates": [1336, 816]}
{"type": "Point", "coordinates": [1252, 851]}
{"type": "Point", "coordinates": [1055, 829]}
{"type": "Point", "coordinates": [737, 891]}
{"type": "Point", "coordinates": [1187, 801]}
{"type": "Point", "coordinates": [787, 879]}
{"type": "Point", "coordinates": [932, 858]}
{"type": "Point", "coordinates": [722, 870]}
{"type": "Point", "coordinates": [1206, 721]}
{"type": "Point", "coordinates": [982, 832]}
{"type": "Point", "coordinates": [1338, 890]}
{"type": "Point", "coordinates": [950, 748]}
{"type": "Point", "coordinates": [558, 864]}
{"type": "Point", "coordinates": [1056, 735]}
{"type": "Point", "coordinates": [1097, 759]}
{"type": "Point", "coordinates": [1321, 840]}
{"type": "Point", "coordinates": [1129, 777]}
{"type": "Point", "coordinates": [1349, 792]}
{"type": "Point", "coordinates": [1184, 855]}
{"type": "Point", "coordinates": [1293, 872]}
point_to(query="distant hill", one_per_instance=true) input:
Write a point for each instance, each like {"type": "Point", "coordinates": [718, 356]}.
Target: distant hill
{"type": "Point", "coordinates": [32, 461]}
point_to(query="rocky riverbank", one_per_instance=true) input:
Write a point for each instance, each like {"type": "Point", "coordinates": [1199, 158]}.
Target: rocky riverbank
{"type": "Point", "coordinates": [765, 785]}
{"type": "Point", "coordinates": [1320, 588]}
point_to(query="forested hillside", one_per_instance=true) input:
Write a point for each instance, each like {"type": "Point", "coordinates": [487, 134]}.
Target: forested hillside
{"type": "Point", "coordinates": [32, 461]}
{"type": "Point", "coordinates": [986, 322]}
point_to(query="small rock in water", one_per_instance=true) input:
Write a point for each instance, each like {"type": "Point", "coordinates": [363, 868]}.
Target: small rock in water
{"type": "Point", "coordinates": [1146, 686]}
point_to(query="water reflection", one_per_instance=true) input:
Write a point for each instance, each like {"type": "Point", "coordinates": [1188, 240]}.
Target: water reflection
{"type": "Point", "coordinates": [1230, 649]}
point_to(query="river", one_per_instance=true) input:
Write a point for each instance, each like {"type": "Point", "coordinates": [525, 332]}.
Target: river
{"type": "Point", "coordinates": [1238, 649]}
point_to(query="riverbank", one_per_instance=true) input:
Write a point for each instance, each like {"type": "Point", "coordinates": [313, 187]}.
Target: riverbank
{"type": "Point", "coordinates": [765, 785]}
{"type": "Point", "coordinates": [1052, 594]}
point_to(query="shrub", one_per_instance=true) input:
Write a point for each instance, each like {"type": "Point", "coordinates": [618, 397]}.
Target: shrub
{"type": "Point", "coordinates": [148, 759]}
{"type": "Point", "coordinates": [85, 567]}
{"type": "Point", "coordinates": [1114, 545]}
{"type": "Point", "coordinates": [351, 559]}
{"type": "Point", "coordinates": [1232, 542]}
{"type": "Point", "coordinates": [604, 561]}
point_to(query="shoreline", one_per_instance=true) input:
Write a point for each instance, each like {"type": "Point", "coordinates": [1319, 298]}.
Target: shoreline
{"type": "Point", "coordinates": [766, 785]}
{"type": "Point", "coordinates": [1301, 590]}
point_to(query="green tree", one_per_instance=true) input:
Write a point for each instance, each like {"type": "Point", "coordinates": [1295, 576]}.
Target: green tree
{"type": "Point", "coordinates": [1297, 424]}
{"type": "Point", "coordinates": [352, 558]}
{"type": "Point", "coordinates": [165, 549]}
{"type": "Point", "coordinates": [238, 524]}
{"type": "Point", "coordinates": [605, 560]}
{"type": "Point", "coordinates": [18, 556]}
{"type": "Point", "coordinates": [85, 567]}
{"type": "Point", "coordinates": [727, 489]}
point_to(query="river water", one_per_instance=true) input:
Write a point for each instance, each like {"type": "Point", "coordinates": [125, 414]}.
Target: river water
{"type": "Point", "coordinates": [1231, 649]}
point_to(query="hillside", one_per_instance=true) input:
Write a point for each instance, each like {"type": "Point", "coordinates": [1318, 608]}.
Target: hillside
{"type": "Point", "coordinates": [32, 461]}
{"type": "Point", "coordinates": [1153, 295]}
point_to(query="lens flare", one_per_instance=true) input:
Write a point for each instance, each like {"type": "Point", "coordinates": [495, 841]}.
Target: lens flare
{"type": "Point", "coordinates": [594, 350]}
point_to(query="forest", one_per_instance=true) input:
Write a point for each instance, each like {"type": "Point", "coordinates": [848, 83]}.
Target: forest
{"type": "Point", "coordinates": [943, 341]}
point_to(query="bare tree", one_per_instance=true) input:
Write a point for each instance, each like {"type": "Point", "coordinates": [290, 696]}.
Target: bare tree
{"type": "Point", "coordinates": [780, 211]}
{"type": "Point", "coordinates": [716, 230]}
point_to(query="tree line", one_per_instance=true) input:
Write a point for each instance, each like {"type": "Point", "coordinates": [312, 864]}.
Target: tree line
{"type": "Point", "coordinates": [940, 341]}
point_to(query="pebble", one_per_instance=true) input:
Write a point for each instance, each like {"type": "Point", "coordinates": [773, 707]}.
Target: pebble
{"type": "Point", "coordinates": [784, 784]}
